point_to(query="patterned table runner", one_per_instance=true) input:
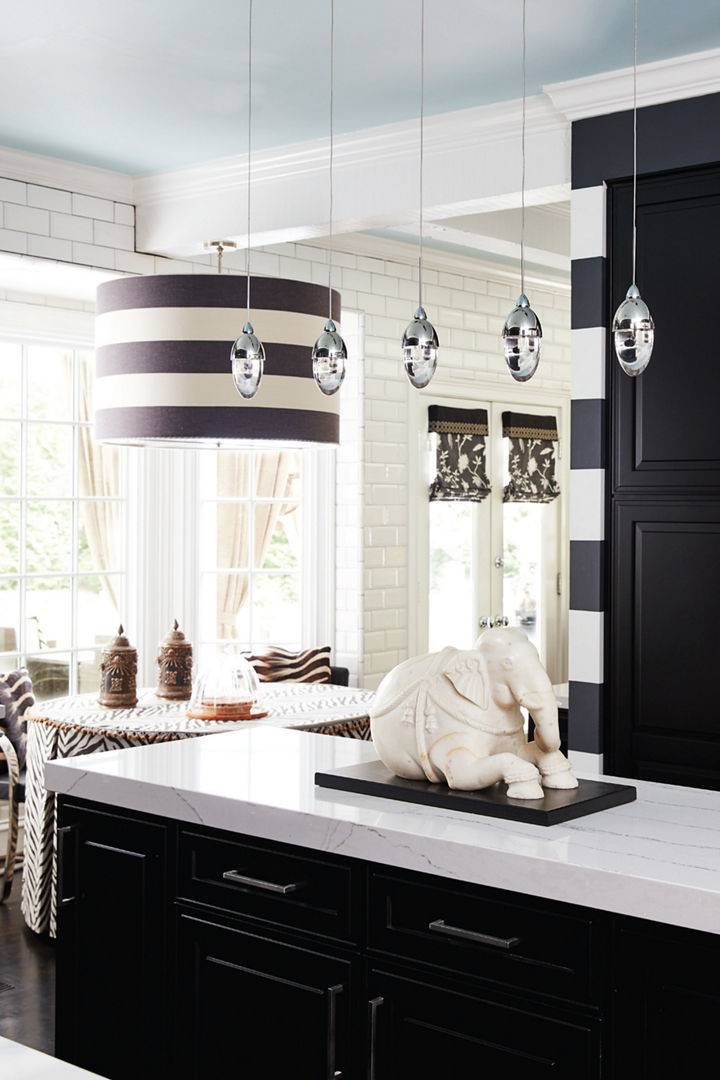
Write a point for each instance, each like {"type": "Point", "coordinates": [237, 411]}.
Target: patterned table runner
{"type": "Point", "coordinates": [66, 727]}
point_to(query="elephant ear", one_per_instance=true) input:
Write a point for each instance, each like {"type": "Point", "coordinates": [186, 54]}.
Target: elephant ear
{"type": "Point", "coordinates": [468, 676]}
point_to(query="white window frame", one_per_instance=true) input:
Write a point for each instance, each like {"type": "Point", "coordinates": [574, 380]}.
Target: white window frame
{"type": "Point", "coordinates": [29, 325]}
{"type": "Point", "coordinates": [491, 394]}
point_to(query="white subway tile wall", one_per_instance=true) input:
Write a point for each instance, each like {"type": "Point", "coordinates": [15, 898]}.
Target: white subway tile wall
{"type": "Point", "coordinates": [467, 305]}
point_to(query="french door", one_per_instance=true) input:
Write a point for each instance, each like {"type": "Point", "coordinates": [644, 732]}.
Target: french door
{"type": "Point", "coordinates": [480, 563]}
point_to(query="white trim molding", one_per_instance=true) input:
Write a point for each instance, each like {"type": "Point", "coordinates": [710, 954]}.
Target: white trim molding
{"type": "Point", "coordinates": [612, 91]}
{"type": "Point", "coordinates": [65, 175]}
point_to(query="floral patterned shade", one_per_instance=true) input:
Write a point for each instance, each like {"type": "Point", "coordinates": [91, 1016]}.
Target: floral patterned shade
{"type": "Point", "coordinates": [460, 458]}
{"type": "Point", "coordinates": [531, 457]}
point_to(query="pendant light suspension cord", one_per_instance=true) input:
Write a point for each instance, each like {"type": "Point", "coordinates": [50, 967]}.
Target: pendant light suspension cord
{"type": "Point", "coordinates": [522, 150]}
{"type": "Point", "coordinates": [332, 148]}
{"type": "Point", "coordinates": [249, 138]}
{"type": "Point", "coordinates": [422, 132]}
{"type": "Point", "coordinates": [634, 241]}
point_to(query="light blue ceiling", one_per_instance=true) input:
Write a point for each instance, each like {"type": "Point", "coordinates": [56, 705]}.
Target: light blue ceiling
{"type": "Point", "coordinates": [142, 85]}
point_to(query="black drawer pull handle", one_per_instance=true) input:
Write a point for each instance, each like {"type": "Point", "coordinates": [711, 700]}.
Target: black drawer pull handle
{"type": "Point", "coordinates": [66, 833]}
{"type": "Point", "coordinates": [332, 1073]}
{"type": "Point", "coordinates": [439, 926]}
{"type": "Point", "coordinates": [373, 1006]}
{"type": "Point", "coordinates": [257, 883]}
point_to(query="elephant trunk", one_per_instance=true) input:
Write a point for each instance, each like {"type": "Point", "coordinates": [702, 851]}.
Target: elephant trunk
{"type": "Point", "coordinates": [542, 706]}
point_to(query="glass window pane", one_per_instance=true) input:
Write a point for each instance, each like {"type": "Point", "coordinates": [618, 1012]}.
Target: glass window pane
{"type": "Point", "coordinates": [522, 572]}
{"type": "Point", "coordinates": [98, 466]}
{"type": "Point", "coordinates": [50, 675]}
{"type": "Point", "coordinates": [233, 536]}
{"type": "Point", "coordinates": [9, 617]}
{"type": "Point", "coordinates": [9, 457]}
{"type": "Point", "coordinates": [88, 671]}
{"type": "Point", "coordinates": [85, 375]}
{"type": "Point", "coordinates": [282, 551]}
{"type": "Point", "coordinates": [49, 459]}
{"type": "Point", "coordinates": [98, 608]}
{"type": "Point", "coordinates": [233, 474]}
{"type": "Point", "coordinates": [277, 474]}
{"type": "Point", "coordinates": [8, 662]}
{"type": "Point", "coordinates": [48, 545]}
{"type": "Point", "coordinates": [276, 609]}
{"type": "Point", "coordinates": [48, 612]}
{"type": "Point", "coordinates": [49, 381]}
{"type": "Point", "coordinates": [450, 607]}
{"type": "Point", "coordinates": [10, 369]}
{"type": "Point", "coordinates": [100, 535]}
{"type": "Point", "coordinates": [229, 616]}
{"type": "Point", "coordinates": [9, 532]}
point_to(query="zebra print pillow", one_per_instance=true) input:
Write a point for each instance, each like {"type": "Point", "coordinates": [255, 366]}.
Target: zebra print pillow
{"type": "Point", "coordinates": [279, 665]}
{"type": "Point", "coordinates": [16, 696]}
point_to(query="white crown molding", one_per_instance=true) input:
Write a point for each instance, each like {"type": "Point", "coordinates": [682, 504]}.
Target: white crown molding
{"type": "Point", "coordinates": [65, 175]}
{"type": "Point", "coordinates": [612, 91]}
{"type": "Point", "coordinates": [443, 134]}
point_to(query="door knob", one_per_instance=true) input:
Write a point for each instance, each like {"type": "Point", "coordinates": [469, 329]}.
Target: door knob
{"type": "Point", "coordinates": [499, 561]}
{"type": "Point", "coordinates": [485, 623]}
{"type": "Point", "coordinates": [500, 620]}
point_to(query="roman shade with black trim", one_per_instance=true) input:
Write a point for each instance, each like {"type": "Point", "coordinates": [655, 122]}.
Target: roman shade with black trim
{"type": "Point", "coordinates": [460, 474]}
{"type": "Point", "coordinates": [531, 457]}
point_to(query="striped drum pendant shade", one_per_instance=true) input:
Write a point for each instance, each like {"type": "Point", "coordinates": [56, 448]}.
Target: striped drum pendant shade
{"type": "Point", "coordinates": [163, 371]}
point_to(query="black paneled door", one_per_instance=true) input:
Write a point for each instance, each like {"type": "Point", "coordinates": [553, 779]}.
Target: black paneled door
{"type": "Point", "coordinates": [664, 550]}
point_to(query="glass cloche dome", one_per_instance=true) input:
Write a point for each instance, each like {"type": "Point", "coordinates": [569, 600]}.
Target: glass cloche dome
{"type": "Point", "coordinates": [227, 689]}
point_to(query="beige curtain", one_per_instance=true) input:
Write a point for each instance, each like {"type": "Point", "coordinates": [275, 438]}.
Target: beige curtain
{"type": "Point", "coordinates": [98, 478]}
{"type": "Point", "coordinates": [275, 476]}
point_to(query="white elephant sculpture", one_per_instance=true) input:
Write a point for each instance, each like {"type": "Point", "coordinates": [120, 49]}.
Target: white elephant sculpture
{"type": "Point", "coordinates": [454, 716]}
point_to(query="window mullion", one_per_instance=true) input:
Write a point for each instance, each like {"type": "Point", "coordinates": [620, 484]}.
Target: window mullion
{"type": "Point", "coordinates": [22, 525]}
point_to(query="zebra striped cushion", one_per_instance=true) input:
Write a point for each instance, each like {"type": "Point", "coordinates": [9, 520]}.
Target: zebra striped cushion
{"type": "Point", "coordinates": [279, 665]}
{"type": "Point", "coordinates": [17, 696]}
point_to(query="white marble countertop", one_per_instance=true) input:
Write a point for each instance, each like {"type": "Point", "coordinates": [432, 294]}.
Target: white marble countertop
{"type": "Point", "coordinates": [23, 1063]}
{"type": "Point", "coordinates": [657, 858]}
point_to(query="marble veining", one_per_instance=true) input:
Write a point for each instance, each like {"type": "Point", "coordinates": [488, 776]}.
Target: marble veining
{"type": "Point", "coordinates": [657, 858]}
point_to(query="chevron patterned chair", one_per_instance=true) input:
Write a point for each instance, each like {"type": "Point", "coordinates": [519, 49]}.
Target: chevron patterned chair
{"type": "Point", "coordinates": [15, 698]}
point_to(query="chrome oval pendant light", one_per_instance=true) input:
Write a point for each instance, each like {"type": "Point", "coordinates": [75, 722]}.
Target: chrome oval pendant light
{"type": "Point", "coordinates": [247, 355]}
{"type": "Point", "coordinates": [420, 340]}
{"type": "Point", "coordinates": [522, 332]}
{"type": "Point", "coordinates": [329, 352]}
{"type": "Point", "coordinates": [633, 328]}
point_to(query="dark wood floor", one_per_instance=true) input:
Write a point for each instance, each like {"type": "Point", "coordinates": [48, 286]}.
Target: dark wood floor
{"type": "Point", "coordinates": [27, 980]}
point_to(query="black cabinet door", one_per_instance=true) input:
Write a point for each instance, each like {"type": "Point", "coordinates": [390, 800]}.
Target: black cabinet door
{"type": "Point", "coordinates": [249, 1005]}
{"type": "Point", "coordinates": [664, 641]}
{"type": "Point", "coordinates": [111, 1015]}
{"type": "Point", "coordinates": [664, 425]}
{"type": "Point", "coordinates": [667, 1010]}
{"type": "Point", "coordinates": [422, 1031]}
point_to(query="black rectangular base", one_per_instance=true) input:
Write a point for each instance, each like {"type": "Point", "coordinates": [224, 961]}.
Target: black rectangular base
{"type": "Point", "coordinates": [374, 778]}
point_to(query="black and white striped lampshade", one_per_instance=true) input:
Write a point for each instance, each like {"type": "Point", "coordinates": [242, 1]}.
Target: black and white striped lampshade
{"type": "Point", "coordinates": [163, 371]}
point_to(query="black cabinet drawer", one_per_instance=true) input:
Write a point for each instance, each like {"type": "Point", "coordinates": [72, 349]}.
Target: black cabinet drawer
{"type": "Point", "coordinates": [424, 1030]}
{"type": "Point", "coordinates": [489, 934]}
{"type": "Point", "coordinates": [269, 882]}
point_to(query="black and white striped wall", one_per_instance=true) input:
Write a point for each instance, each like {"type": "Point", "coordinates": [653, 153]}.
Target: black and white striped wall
{"type": "Point", "coordinates": [672, 135]}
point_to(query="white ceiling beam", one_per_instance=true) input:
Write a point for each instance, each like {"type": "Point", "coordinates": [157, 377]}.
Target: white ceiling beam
{"type": "Point", "coordinates": [498, 246]}
{"type": "Point", "coordinates": [471, 165]}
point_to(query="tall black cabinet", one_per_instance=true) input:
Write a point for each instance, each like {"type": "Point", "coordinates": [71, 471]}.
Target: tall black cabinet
{"type": "Point", "coordinates": [663, 534]}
